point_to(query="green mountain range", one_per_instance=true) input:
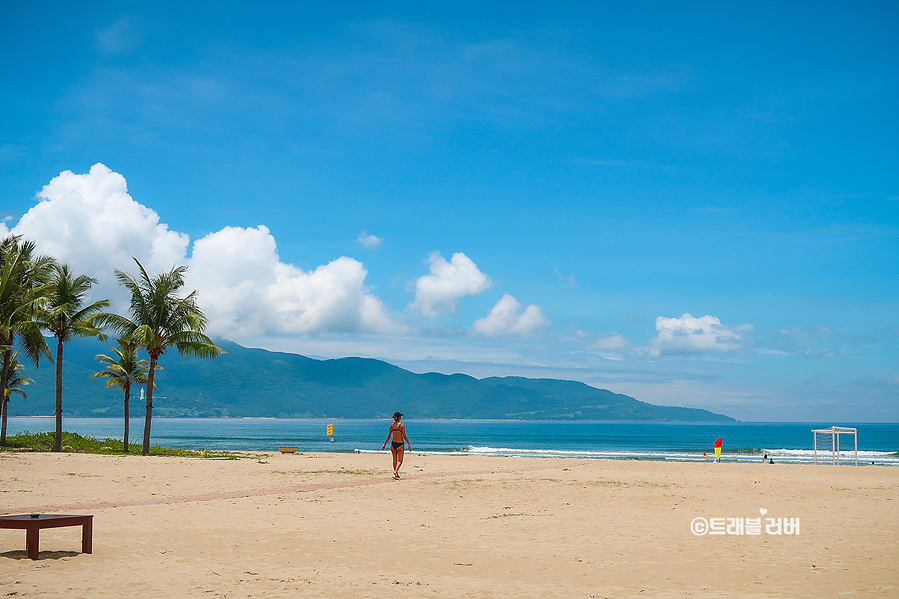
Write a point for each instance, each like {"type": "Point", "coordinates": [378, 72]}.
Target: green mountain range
{"type": "Point", "coordinates": [258, 383]}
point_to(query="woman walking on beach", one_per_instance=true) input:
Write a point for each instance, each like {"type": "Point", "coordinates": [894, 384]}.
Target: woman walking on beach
{"type": "Point", "coordinates": [397, 432]}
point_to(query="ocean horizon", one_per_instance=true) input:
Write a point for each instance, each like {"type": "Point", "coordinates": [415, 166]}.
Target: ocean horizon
{"type": "Point", "coordinates": [790, 443]}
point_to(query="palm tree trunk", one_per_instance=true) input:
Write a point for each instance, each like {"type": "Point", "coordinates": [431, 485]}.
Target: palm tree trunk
{"type": "Point", "coordinates": [4, 401]}
{"type": "Point", "coordinates": [149, 415]}
{"type": "Point", "coordinates": [127, 397]}
{"type": "Point", "coordinates": [4, 378]}
{"type": "Point", "coordinates": [57, 443]}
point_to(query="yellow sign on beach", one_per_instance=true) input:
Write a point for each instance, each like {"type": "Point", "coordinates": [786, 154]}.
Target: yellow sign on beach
{"type": "Point", "coordinates": [330, 429]}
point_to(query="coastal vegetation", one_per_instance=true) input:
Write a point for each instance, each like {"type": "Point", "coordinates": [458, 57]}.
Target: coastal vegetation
{"type": "Point", "coordinates": [122, 371]}
{"type": "Point", "coordinates": [39, 295]}
{"type": "Point", "coordinates": [160, 320]}
{"type": "Point", "coordinates": [62, 313]}
{"type": "Point", "coordinates": [15, 383]}
{"type": "Point", "coordinates": [24, 286]}
{"type": "Point", "coordinates": [75, 443]}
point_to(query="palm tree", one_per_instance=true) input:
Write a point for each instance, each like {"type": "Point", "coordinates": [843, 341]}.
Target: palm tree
{"type": "Point", "coordinates": [17, 379]}
{"type": "Point", "coordinates": [160, 320]}
{"type": "Point", "coordinates": [122, 371]}
{"type": "Point", "coordinates": [23, 287]}
{"type": "Point", "coordinates": [65, 315]}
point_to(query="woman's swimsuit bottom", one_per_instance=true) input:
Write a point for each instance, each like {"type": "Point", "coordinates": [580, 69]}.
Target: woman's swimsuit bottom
{"type": "Point", "coordinates": [396, 444]}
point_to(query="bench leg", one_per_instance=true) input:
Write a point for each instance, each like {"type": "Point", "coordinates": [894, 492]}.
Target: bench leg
{"type": "Point", "coordinates": [32, 536]}
{"type": "Point", "coordinates": [87, 544]}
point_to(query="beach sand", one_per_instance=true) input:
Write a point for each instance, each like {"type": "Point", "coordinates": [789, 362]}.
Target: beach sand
{"type": "Point", "coordinates": [338, 525]}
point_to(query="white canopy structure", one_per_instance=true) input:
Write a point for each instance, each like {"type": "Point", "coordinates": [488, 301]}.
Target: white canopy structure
{"type": "Point", "coordinates": [834, 432]}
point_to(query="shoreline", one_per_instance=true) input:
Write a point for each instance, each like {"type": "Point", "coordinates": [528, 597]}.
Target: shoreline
{"type": "Point", "coordinates": [322, 524]}
{"type": "Point", "coordinates": [389, 419]}
{"type": "Point", "coordinates": [785, 443]}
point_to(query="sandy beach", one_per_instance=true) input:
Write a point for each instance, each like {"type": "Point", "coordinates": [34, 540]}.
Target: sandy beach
{"type": "Point", "coordinates": [337, 525]}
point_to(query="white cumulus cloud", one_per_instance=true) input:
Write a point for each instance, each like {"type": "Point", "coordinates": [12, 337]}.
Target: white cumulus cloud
{"type": "Point", "coordinates": [440, 291]}
{"type": "Point", "coordinates": [612, 342]}
{"type": "Point", "coordinates": [369, 242]}
{"type": "Point", "coordinates": [91, 223]}
{"type": "Point", "coordinates": [246, 289]}
{"type": "Point", "coordinates": [691, 335]}
{"type": "Point", "coordinates": [231, 270]}
{"type": "Point", "coordinates": [332, 297]}
{"type": "Point", "coordinates": [507, 318]}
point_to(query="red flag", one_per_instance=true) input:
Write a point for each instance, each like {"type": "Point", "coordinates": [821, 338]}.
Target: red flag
{"type": "Point", "coordinates": [719, 442]}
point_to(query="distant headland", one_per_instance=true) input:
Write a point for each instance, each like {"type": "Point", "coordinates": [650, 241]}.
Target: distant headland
{"type": "Point", "coordinates": [259, 383]}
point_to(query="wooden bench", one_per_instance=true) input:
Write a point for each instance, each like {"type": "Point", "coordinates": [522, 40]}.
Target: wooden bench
{"type": "Point", "coordinates": [34, 523]}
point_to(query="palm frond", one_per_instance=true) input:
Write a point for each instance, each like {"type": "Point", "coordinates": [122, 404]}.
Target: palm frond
{"type": "Point", "coordinates": [17, 378]}
{"type": "Point", "coordinates": [163, 319]}
{"type": "Point", "coordinates": [125, 368]}
{"type": "Point", "coordinates": [115, 322]}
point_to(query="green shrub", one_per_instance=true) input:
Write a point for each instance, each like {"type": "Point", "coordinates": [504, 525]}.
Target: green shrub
{"type": "Point", "coordinates": [75, 443]}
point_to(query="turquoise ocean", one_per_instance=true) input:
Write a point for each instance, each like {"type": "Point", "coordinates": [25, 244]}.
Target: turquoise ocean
{"type": "Point", "coordinates": [677, 441]}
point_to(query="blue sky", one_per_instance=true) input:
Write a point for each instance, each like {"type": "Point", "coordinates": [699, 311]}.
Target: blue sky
{"type": "Point", "coordinates": [694, 204]}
